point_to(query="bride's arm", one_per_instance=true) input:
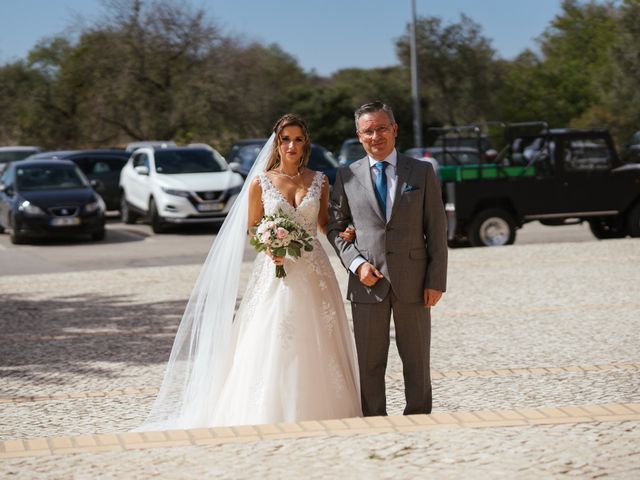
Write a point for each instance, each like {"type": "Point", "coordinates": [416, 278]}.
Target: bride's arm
{"type": "Point", "coordinates": [349, 234]}
{"type": "Point", "coordinates": [256, 209]}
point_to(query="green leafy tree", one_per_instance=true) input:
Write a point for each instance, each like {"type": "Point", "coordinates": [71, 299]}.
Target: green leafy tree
{"type": "Point", "coordinates": [564, 83]}
{"type": "Point", "coordinates": [457, 70]}
{"type": "Point", "coordinates": [328, 105]}
{"type": "Point", "coordinates": [620, 87]}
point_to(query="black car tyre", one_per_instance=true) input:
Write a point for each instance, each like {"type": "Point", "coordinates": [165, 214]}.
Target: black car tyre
{"type": "Point", "coordinates": [157, 224]}
{"type": "Point", "coordinates": [17, 238]}
{"type": "Point", "coordinates": [633, 221]}
{"type": "Point", "coordinates": [126, 215]}
{"type": "Point", "coordinates": [603, 229]}
{"type": "Point", "coordinates": [491, 228]}
{"type": "Point", "coordinates": [99, 235]}
{"type": "Point", "coordinates": [1, 229]}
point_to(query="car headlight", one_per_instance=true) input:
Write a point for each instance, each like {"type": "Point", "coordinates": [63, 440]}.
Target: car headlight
{"type": "Point", "coordinates": [30, 209]}
{"type": "Point", "coordinates": [177, 193]}
{"type": "Point", "coordinates": [93, 206]}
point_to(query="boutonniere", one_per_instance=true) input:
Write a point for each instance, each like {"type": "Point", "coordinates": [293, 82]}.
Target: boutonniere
{"type": "Point", "coordinates": [410, 188]}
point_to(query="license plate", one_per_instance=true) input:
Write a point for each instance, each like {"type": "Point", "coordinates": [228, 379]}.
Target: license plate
{"type": "Point", "coordinates": [65, 221]}
{"type": "Point", "coordinates": [209, 207]}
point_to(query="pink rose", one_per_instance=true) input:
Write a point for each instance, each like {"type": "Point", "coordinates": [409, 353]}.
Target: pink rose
{"type": "Point", "coordinates": [281, 233]}
{"type": "Point", "coordinates": [265, 237]}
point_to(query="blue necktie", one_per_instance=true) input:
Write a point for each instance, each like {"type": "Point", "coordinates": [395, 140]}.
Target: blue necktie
{"type": "Point", "coordinates": [381, 187]}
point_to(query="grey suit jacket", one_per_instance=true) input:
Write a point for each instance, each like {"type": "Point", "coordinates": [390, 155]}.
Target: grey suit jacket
{"type": "Point", "coordinates": [410, 249]}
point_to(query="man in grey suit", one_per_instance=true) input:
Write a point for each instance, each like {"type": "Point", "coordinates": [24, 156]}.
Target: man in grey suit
{"type": "Point", "coordinates": [398, 262]}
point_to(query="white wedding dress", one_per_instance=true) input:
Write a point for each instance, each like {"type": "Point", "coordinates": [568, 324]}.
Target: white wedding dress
{"type": "Point", "coordinates": [293, 355]}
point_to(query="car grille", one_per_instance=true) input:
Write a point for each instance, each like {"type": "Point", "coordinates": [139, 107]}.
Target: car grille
{"type": "Point", "coordinates": [64, 211]}
{"type": "Point", "coordinates": [209, 196]}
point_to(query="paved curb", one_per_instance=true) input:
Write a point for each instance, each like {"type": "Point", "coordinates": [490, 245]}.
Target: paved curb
{"type": "Point", "coordinates": [41, 446]}
{"type": "Point", "coordinates": [435, 375]}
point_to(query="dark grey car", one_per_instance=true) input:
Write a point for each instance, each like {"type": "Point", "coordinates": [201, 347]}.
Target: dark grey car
{"type": "Point", "coordinates": [101, 165]}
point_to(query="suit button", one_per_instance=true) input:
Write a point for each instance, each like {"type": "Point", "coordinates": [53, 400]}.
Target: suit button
{"type": "Point", "coordinates": [389, 253]}
{"type": "Point", "coordinates": [388, 229]}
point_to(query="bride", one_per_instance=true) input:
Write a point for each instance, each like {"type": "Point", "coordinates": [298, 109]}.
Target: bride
{"type": "Point", "coordinates": [287, 354]}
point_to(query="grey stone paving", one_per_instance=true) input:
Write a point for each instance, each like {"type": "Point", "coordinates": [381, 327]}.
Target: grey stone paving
{"type": "Point", "coordinates": [520, 306]}
{"type": "Point", "coordinates": [105, 415]}
{"type": "Point", "coordinates": [583, 450]}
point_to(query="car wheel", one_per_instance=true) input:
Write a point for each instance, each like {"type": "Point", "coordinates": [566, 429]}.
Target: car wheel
{"type": "Point", "coordinates": [491, 228]}
{"type": "Point", "coordinates": [99, 235]}
{"type": "Point", "coordinates": [607, 228]}
{"type": "Point", "coordinates": [1, 229]}
{"type": "Point", "coordinates": [633, 221]}
{"type": "Point", "coordinates": [157, 224]}
{"type": "Point", "coordinates": [126, 215]}
{"type": "Point", "coordinates": [17, 238]}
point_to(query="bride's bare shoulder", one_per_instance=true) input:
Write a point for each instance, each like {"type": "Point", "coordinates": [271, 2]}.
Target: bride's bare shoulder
{"type": "Point", "coordinates": [255, 188]}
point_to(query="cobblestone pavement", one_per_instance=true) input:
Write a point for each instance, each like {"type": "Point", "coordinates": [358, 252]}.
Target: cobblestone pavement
{"type": "Point", "coordinates": [582, 450]}
{"type": "Point", "coordinates": [530, 306]}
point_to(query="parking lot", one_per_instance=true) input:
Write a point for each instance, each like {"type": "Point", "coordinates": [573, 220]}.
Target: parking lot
{"type": "Point", "coordinates": [137, 246]}
{"type": "Point", "coordinates": [536, 367]}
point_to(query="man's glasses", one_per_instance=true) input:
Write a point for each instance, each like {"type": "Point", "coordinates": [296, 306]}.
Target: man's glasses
{"type": "Point", "coordinates": [369, 133]}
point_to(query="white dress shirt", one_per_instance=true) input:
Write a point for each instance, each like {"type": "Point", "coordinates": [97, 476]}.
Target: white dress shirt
{"type": "Point", "coordinates": [392, 183]}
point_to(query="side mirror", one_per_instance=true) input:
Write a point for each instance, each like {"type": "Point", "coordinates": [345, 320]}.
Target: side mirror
{"type": "Point", "coordinates": [96, 184]}
{"type": "Point", "coordinates": [235, 167]}
{"type": "Point", "coordinates": [6, 189]}
{"type": "Point", "coordinates": [142, 170]}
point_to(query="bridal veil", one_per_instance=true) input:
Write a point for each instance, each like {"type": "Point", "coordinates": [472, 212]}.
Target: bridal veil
{"type": "Point", "coordinates": [199, 358]}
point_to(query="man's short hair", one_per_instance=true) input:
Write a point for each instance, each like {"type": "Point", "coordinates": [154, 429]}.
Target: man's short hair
{"type": "Point", "coordinates": [373, 107]}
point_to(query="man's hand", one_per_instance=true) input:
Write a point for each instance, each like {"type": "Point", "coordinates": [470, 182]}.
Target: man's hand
{"type": "Point", "coordinates": [431, 297]}
{"type": "Point", "coordinates": [369, 275]}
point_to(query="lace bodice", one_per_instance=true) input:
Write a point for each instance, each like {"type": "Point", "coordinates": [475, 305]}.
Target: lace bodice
{"type": "Point", "coordinates": [306, 213]}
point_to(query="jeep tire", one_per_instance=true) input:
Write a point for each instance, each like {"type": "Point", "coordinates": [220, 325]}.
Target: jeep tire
{"type": "Point", "coordinates": [492, 227]}
{"type": "Point", "coordinates": [604, 228]}
{"type": "Point", "coordinates": [633, 221]}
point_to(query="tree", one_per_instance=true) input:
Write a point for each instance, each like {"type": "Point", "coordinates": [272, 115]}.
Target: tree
{"type": "Point", "coordinates": [563, 84]}
{"type": "Point", "coordinates": [328, 105]}
{"type": "Point", "coordinates": [456, 67]}
{"type": "Point", "coordinates": [619, 89]}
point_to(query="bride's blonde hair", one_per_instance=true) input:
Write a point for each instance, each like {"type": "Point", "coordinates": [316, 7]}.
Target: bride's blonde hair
{"type": "Point", "coordinates": [288, 120]}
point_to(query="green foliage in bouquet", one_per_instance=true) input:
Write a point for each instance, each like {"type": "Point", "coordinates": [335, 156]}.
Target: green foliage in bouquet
{"type": "Point", "coordinates": [281, 236]}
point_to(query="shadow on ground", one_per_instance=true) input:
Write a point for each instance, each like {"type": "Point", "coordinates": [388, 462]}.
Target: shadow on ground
{"type": "Point", "coordinates": [83, 334]}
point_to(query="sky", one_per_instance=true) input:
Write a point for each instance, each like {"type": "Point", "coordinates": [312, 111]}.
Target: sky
{"type": "Point", "coordinates": [323, 35]}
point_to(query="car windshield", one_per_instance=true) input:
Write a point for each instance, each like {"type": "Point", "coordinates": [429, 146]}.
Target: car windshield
{"type": "Point", "coordinates": [13, 155]}
{"type": "Point", "coordinates": [246, 155]}
{"type": "Point", "coordinates": [49, 178]}
{"type": "Point", "coordinates": [169, 162]}
{"type": "Point", "coordinates": [321, 159]}
{"type": "Point", "coordinates": [461, 157]}
{"type": "Point", "coordinates": [353, 151]}
{"type": "Point", "coordinates": [470, 142]}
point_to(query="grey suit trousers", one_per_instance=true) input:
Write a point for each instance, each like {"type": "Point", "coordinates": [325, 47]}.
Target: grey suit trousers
{"type": "Point", "coordinates": [412, 321]}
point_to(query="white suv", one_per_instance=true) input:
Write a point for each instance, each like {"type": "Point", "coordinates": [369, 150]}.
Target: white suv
{"type": "Point", "coordinates": [177, 185]}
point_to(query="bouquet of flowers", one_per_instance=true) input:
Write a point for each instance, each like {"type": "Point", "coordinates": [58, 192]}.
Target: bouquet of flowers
{"type": "Point", "coordinates": [280, 235]}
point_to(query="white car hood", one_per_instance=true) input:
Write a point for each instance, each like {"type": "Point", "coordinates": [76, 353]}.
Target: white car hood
{"type": "Point", "coordinates": [200, 181]}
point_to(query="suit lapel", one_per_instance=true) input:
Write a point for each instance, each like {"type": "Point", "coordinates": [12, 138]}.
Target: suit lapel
{"type": "Point", "coordinates": [363, 175]}
{"type": "Point", "coordinates": [403, 172]}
